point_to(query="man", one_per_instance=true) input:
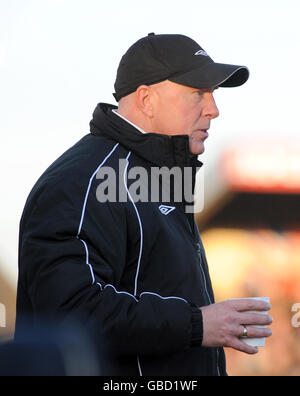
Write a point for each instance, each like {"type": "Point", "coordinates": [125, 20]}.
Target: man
{"type": "Point", "coordinates": [134, 271]}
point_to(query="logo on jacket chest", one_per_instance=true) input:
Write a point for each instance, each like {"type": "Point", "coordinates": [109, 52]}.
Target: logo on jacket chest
{"type": "Point", "coordinates": [165, 210]}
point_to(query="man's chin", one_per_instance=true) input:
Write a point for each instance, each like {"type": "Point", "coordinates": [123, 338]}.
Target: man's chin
{"type": "Point", "coordinates": [197, 148]}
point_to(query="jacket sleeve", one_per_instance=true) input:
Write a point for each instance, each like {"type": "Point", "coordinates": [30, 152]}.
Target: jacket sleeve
{"type": "Point", "coordinates": [71, 265]}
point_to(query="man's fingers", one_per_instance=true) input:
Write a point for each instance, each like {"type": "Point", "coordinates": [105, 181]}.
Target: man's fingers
{"type": "Point", "coordinates": [242, 347]}
{"type": "Point", "coordinates": [255, 332]}
{"type": "Point", "coordinates": [251, 318]}
{"type": "Point", "coordinates": [250, 305]}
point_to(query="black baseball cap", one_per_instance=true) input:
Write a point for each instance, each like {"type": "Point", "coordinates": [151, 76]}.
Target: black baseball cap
{"type": "Point", "coordinates": [174, 57]}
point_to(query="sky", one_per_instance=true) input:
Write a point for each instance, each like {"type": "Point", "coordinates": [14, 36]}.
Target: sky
{"type": "Point", "coordinates": [58, 59]}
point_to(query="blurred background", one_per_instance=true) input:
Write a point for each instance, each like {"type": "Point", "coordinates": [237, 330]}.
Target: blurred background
{"type": "Point", "coordinates": [58, 59]}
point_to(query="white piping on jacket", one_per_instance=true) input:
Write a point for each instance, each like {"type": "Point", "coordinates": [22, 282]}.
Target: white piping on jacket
{"type": "Point", "coordinates": [89, 187]}
{"type": "Point", "coordinates": [119, 292]}
{"type": "Point", "coordinates": [83, 213]}
{"type": "Point", "coordinates": [131, 295]}
{"type": "Point", "coordinates": [141, 246]}
{"type": "Point", "coordinates": [87, 260]}
{"type": "Point", "coordinates": [165, 298]}
{"type": "Point", "coordinates": [140, 225]}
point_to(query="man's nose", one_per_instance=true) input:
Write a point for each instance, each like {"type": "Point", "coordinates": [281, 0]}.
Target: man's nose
{"type": "Point", "coordinates": [210, 109]}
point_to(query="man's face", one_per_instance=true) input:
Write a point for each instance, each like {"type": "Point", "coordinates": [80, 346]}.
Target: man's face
{"type": "Point", "coordinates": [181, 110]}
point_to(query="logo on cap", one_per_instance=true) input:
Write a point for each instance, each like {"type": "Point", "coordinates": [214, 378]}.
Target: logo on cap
{"type": "Point", "coordinates": [201, 52]}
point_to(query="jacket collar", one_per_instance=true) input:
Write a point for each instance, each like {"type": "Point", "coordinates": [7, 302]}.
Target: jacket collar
{"type": "Point", "coordinates": [160, 150]}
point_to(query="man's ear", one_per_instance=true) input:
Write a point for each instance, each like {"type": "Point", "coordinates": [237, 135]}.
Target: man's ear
{"type": "Point", "coordinates": [143, 100]}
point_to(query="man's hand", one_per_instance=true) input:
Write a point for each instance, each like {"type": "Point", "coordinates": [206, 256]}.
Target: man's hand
{"type": "Point", "coordinates": [223, 323]}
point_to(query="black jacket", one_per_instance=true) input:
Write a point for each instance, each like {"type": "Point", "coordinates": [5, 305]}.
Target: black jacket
{"type": "Point", "coordinates": [135, 273]}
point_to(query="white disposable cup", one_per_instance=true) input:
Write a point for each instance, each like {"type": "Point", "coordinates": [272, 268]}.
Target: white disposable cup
{"type": "Point", "coordinates": [260, 341]}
